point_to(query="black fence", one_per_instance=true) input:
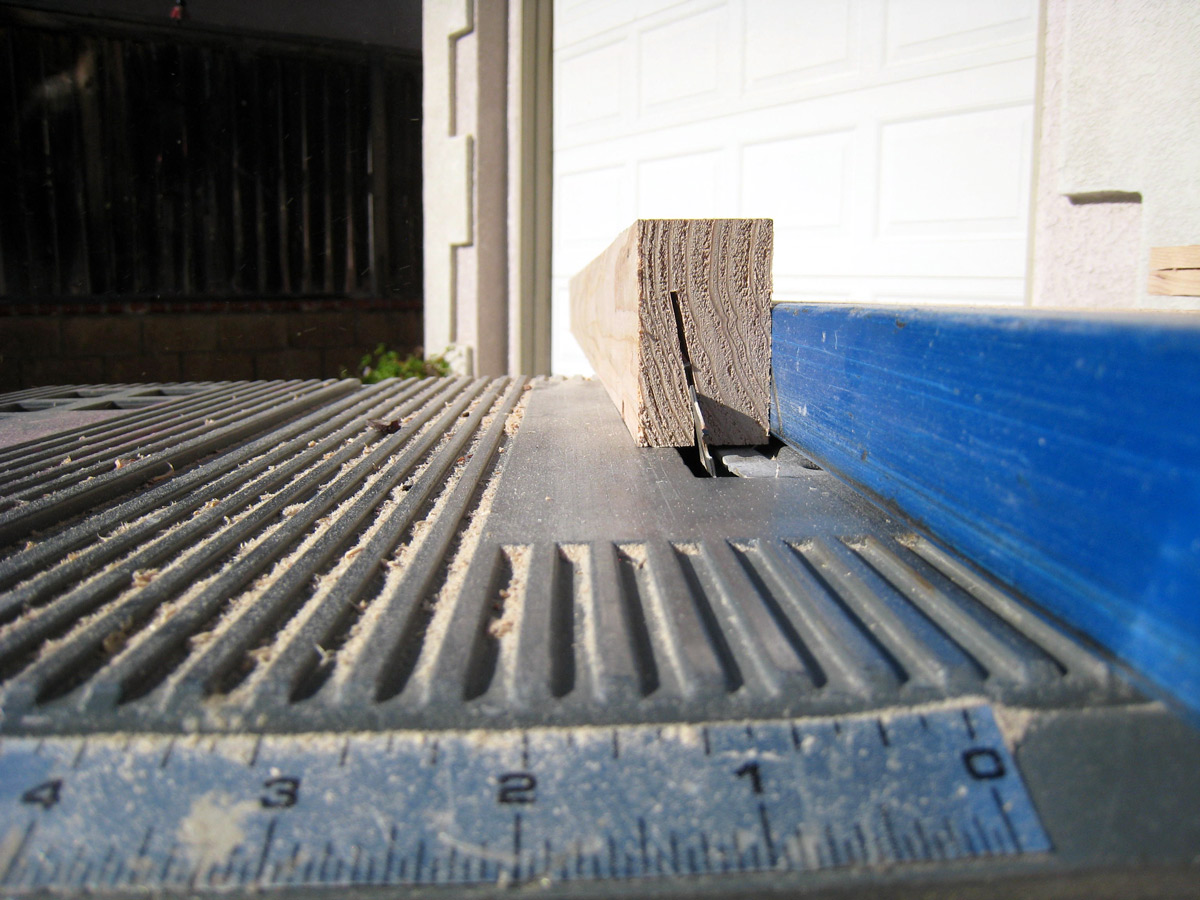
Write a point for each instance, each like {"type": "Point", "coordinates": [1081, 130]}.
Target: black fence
{"type": "Point", "coordinates": [157, 166]}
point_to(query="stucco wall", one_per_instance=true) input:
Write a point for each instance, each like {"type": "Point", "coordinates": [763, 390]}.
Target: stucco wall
{"type": "Point", "coordinates": [1120, 115]}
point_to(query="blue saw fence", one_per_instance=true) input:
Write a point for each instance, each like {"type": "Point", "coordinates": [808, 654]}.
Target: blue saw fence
{"type": "Point", "coordinates": [1060, 453]}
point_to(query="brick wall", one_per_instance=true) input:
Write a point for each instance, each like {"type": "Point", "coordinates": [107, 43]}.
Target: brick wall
{"type": "Point", "coordinates": [197, 346]}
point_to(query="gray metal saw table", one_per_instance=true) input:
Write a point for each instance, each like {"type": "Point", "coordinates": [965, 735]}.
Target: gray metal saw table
{"type": "Point", "coordinates": [461, 637]}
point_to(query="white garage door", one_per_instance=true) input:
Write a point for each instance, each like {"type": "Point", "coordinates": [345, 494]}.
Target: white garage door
{"type": "Point", "coordinates": [890, 140]}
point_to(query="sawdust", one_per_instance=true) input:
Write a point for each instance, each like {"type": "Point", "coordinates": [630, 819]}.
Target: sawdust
{"type": "Point", "coordinates": [506, 608]}
{"type": "Point", "coordinates": [116, 639]}
{"type": "Point", "coordinates": [1015, 723]}
{"type": "Point", "coordinates": [500, 628]}
{"type": "Point", "coordinates": [143, 577]}
{"type": "Point", "coordinates": [326, 581]}
{"type": "Point", "coordinates": [470, 536]}
{"type": "Point", "coordinates": [213, 827]}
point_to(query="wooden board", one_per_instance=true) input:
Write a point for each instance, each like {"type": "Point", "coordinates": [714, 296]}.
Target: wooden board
{"type": "Point", "coordinates": [1175, 271]}
{"type": "Point", "coordinates": [1058, 452]}
{"type": "Point", "coordinates": [621, 315]}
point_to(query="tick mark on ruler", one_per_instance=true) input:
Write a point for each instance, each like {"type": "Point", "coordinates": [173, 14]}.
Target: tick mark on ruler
{"type": "Point", "coordinates": [11, 864]}
{"type": "Point", "coordinates": [987, 845]}
{"type": "Point", "coordinates": [966, 716]}
{"type": "Point", "coordinates": [920, 832]}
{"type": "Point", "coordinates": [862, 841]}
{"type": "Point", "coordinates": [516, 865]}
{"type": "Point", "coordinates": [1012, 831]}
{"type": "Point", "coordinates": [768, 840]}
{"type": "Point", "coordinates": [145, 845]}
{"type": "Point", "coordinates": [831, 842]}
{"type": "Point", "coordinates": [643, 843]}
{"type": "Point", "coordinates": [891, 833]}
{"type": "Point", "coordinates": [266, 850]}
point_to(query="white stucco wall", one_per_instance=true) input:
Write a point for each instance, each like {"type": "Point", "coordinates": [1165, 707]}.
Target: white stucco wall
{"type": "Point", "coordinates": [1120, 113]}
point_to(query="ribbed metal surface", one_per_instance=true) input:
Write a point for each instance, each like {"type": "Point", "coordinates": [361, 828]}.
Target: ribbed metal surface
{"type": "Point", "coordinates": [266, 558]}
{"type": "Point", "coordinates": [95, 397]}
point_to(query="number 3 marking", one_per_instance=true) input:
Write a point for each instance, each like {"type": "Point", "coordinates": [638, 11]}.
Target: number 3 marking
{"type": "Point", "coordinates": [281, 793]}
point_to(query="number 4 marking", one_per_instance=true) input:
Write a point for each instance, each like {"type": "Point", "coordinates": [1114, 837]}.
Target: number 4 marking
{"type": "Point", "coordinates": [45, 795]}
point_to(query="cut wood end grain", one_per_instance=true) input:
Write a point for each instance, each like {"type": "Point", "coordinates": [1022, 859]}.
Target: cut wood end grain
{"type": "Point", "coordinates": [621, 315]}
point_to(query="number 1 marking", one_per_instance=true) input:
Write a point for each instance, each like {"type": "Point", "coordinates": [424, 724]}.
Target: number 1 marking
{"type": "Point", "coordinates": [751, 769]}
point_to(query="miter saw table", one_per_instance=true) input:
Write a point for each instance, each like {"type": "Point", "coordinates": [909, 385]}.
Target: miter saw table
{"type": "Point", "coordinates": [461, 637]}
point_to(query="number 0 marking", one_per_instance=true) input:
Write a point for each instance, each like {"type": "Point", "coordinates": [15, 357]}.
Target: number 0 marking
{"type": "Point", "coordinates": [983, 763]}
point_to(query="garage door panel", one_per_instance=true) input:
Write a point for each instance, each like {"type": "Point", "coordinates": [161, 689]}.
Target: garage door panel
{"type": "Point", "coordinates": [955, 175]}
{"type": "Point", "coordinates": [890, 140]}
{"type": "Point", "coordinates": [687, 186]}
{"type": "Point", "coordinates": [942, 291]}
{"type": "Point", "coordinates": [682, 60]}
{"type": "Point", "coordinates": [809, 176]}
{"type": "Point", "coordinates": [924, 29]}
{"type": "Point", "coordinates": [592, 80]}
{"type": "Point", "coordinates": [800, 41]}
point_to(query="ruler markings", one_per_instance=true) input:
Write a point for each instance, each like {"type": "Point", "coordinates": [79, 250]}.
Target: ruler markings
{"type": "Point", "coordinates": [15, 853]}
{"type": "Point", "coordinates": [927, 851]}
{"type": "Point", "coordinates": [1012, 831]}
{"type": "Point", "coordinates": [405, 808]}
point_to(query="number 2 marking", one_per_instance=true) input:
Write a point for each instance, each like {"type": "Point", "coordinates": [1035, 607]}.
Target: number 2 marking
{"type": "Point", "coordinates": [517, 787]}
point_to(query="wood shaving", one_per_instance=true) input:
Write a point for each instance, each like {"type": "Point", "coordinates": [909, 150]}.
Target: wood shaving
{"type": "Point", "coordinates": [499, 628]}
{"type": "Point", "coordinates": [115, 640]}
{"type": "Point", "coordinates": [386, 427]}
{"type": "Point", "coordinates": [165, 475]}
{"type": "Point", "coordinates": [143, 577]}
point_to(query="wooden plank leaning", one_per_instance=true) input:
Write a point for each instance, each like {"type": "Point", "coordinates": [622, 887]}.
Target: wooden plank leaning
{"type": "Point", "coordinates": [622, 317]}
